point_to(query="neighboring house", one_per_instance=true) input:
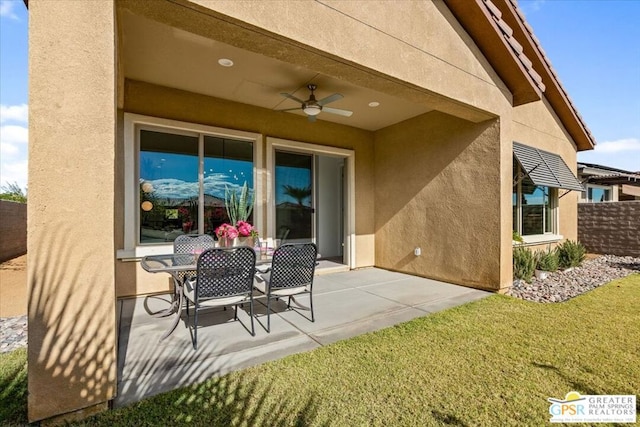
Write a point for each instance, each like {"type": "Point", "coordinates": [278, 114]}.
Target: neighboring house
{"type": "Point", "coordinates": [605, 184]}
{"type": "Point", "coordinates": [460, 133]}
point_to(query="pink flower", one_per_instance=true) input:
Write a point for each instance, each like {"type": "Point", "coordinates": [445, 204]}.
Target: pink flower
{"type": "Point", "coordinates": [244, 228]}
{"type": "Point", "coordinates": [227, 230]}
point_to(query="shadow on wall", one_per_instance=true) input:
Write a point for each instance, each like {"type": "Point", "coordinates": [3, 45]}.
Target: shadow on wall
{"type": "Point", "coordinates": [71, 353]}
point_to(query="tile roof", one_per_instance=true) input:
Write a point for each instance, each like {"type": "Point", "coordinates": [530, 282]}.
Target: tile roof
{"type": "Point", "coordinates": [582, 135]}
{"type": "Point", "coordinates": [500, 30]}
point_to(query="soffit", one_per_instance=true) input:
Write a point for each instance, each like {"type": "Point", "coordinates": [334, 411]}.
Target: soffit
{"type": "Point", "coordinates": [165, 55]}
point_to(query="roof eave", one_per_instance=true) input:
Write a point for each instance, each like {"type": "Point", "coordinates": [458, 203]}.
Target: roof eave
{"type": "Point", "coordinates": [501, 33]}
{"type": "Point", "coordinates": [478, 21]}
{"type": "Point", "coordinates": [555, 92]}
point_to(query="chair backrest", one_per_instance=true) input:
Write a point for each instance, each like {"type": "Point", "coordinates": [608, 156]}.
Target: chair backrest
{"type": "Point", "coordinates": [188, 243]}
{"type": "Point", "coordinates": [225, 272]}
{"type": "Point", "coordinates": [293, 265]}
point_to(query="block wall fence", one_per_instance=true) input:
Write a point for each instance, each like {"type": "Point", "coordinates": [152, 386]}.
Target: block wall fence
{"type": "Point", "coordinates": [13, 229]}
{"type": "Point", "coordinates": [610, 228]}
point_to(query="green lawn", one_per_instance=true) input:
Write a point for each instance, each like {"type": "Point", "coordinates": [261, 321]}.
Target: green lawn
{"type": "Point", "coordinates": [491, 362]}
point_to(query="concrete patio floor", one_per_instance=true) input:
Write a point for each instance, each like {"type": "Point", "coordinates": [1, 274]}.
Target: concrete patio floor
{"type": "Point", "coordinates": [346, 304]}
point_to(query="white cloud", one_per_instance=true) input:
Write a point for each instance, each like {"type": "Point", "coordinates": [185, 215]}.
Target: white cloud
{"type": "Point", "coordinates": [13, 146]}
{"type": "Point", "coordinates": [531, 5]}
{"type": "Point", "coordinates": [12, 134]}
{"type": "Point", "coordinates": [7, 149]}
{"type": "Point", "coordinates": [6, 9]}
{"type": "Point", "coordinates": [16, 113]}
{"type": "Point", "coordinates": [627, 144]}
{"type": "Point", "coordinates": [14, 172]}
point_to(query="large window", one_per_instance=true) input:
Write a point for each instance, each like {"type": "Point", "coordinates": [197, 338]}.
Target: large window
{"type": "Point", "coordinates": [534, 206]}
{"type": "Point", "coordinates": [183, 178]}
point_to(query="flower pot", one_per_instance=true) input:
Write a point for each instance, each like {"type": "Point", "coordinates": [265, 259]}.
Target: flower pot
{"type": "Point", "coordinates": [244, 241]}
{"type": "Point", "coordinates": [225, 242]}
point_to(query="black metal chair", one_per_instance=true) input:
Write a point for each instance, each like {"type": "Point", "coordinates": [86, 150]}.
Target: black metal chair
{"type": "Point", "coordinates": [291, 273]}
{"type": "Point", "coordinates": [189, 244]}
{"type": "Point", "coordinates": [224, 277]}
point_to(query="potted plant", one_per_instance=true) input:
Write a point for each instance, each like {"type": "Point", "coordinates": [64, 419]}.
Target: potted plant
{"type": "Point", "coordinates": [246, 233]}
{"type": "Point", "coordinates": [546, 262]}
{"type": "Point", "coordinates": [227, 234]}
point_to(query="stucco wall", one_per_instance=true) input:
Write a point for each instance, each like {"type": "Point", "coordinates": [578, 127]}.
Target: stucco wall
{"type": "Point", "coordinates": [610, 228]}
{"type": "Point", "coordinates": [447, 70]}
{"type": "Point", "coordinates": [71, 281]}
{"type": "Point", "coordinates": [157, 101]}
{"type": "Point", "coordinates": [536, 125]}
{"type": "Point", "coordinates": [13, 229]}
{"type": "Point", "coordinates": [438, 188]}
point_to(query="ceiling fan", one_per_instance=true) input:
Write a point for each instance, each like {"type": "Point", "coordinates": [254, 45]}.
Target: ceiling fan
{"type": "Point", "coordinates": [312, 107]}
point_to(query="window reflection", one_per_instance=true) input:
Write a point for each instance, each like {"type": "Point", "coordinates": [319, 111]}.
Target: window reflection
{"type": "Point", "coordinates": [169, 183]}
{"type": "Point", "coordinates": [170, 187]}
{"type": "Point", "coordinates": [294, 212]}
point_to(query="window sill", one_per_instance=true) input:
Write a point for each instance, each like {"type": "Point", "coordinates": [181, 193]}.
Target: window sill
{"type": "Point", "coordinates": [539, 239]}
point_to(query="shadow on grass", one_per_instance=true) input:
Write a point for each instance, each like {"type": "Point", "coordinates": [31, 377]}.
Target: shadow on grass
{"type": "Point", "coordinates": [13, 388]}
{"type": "Point", "coordinates": [576, 385]}
{"type": "Point", "coordinates": [447, 419]}
{"type": "Point", "coordinates": [229, 400]}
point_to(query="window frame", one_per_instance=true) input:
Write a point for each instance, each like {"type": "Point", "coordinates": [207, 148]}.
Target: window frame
{"type": "Point", "coordinates": [588, 187]}
{"type": "Point", "coordinates": [133, 123]}
{"type": "Point", "coordinates": [554, 200]}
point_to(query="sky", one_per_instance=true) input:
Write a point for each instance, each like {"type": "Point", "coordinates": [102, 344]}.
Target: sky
{"type": "Point", "coordinates": [593, 45]}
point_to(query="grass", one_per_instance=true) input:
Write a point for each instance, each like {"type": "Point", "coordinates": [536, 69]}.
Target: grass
{"type": "Point", "coordinates": [491, 362]}
{"type": "Point", "coordinates": [13, 388]}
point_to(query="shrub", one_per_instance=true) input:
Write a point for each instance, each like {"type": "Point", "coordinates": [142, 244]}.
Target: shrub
{"type": "Point", "coordinates": [547, 260]}
{"type": "Point", "coordinates": [570, 254]}
{"type": "Point", "coordinates": [524, 264]}
{"type": "Point", "coordinates": [517, 237]}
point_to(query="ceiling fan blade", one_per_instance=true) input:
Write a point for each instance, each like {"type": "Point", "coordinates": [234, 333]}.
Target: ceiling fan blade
{"type": "Point", "coordinates": [288, 95]}
{"type": "Point", "coordinates": [291, 109]}
{"type": "Point", "coordinates": [330, 98]}
{"type": "Point", "coordinates": [337, 111]}
{"type": "Point", "coordinates": [311, 118]}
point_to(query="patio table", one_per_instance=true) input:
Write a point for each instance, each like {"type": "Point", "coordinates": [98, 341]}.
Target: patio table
{"type": "Point", "coordinates": [176, 265]}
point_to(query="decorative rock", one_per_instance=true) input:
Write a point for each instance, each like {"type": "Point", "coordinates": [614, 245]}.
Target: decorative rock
{"type": "Point", "coordinates": [13, 333]}
{"type": "Point", "coordinates": [563, 285]}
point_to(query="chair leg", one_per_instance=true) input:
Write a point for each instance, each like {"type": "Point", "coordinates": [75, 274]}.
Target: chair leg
{"type": "Point", "coordinates": [313, 319]}
{"type": "Point", "coordinates": [195, 328]}
{"type": "Point", "coordinates": [235, 313]}
{"type": "Point", "coordinates": [253, 329]}
{"type": "Point", "coordinates": [268, 314]}
{"type": "Point", "coordinates": [289, 302]}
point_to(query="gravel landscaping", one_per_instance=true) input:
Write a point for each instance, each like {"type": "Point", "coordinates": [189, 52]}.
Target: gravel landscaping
{"type": "Point", "coordinates": [564, 285]}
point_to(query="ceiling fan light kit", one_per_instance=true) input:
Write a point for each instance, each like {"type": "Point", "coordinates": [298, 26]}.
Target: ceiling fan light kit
{"type": "Point", "coordinates": [312, 110]}
{"type": "Point", "coordinates": [312, 107]}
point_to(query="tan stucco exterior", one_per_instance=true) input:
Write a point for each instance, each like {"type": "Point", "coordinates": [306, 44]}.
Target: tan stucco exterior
{"type": "Point", "coordinates": [536, 125]}
{"type": "Point", "coordinates": [441, 181]}
{"type": "Point", "coordinates": [437, 188]}
{"type": "Point", "coordinates": [71, 267]}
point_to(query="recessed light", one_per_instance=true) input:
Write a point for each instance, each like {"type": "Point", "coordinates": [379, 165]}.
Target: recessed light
{"type": "Point", "coordinates": [374, 104]}
{"type": "Point", "coordinates": [225, 62]}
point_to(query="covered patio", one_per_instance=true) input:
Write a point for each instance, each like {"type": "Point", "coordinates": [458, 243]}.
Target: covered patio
{"type": "Point", "coordinates": [346, 304]}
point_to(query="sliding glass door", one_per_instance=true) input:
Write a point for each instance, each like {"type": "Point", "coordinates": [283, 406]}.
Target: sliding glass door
{"type": "Point", "coordinates": [294, 197]}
